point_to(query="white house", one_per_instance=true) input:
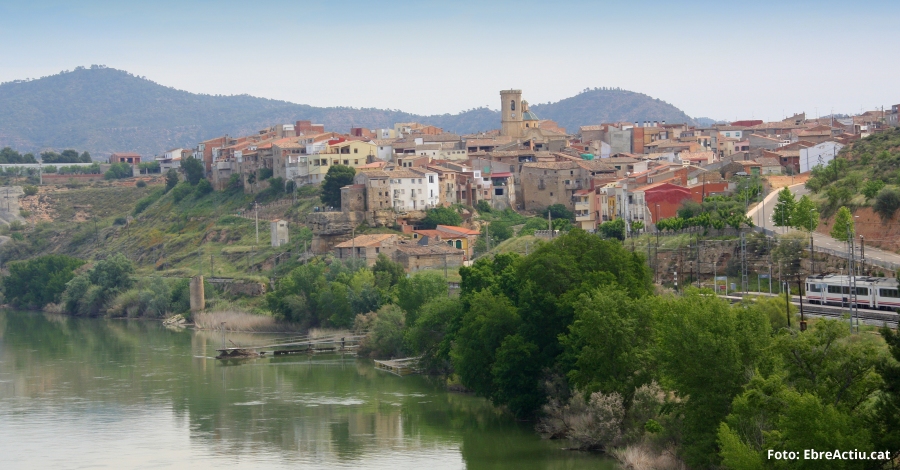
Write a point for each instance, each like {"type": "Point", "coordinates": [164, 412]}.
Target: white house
{"type": "Point", "coordinates": [414, 189]}
{"type": "Point", "coordinates": [170, 159]}
{"type": "Point", "coordinates": [819, 154]}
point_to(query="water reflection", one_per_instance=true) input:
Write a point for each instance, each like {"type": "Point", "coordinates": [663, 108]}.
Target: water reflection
{"type": "Point", "coordinates": [132, 394]}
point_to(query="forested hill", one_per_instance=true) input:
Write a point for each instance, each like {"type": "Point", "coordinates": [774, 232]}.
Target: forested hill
{"type": "Point", "coordinates": [104, 110]}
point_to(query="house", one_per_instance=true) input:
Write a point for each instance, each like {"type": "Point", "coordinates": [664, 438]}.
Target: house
{"type": "Point", "coordinates": [819, 154]}
{"type": "Point", "coordinates": [280, 232]}
{"type": "Point", "coordinates": [125, 157]}
{"type": "Point", "coordinates": [426, 253]}
{"type": "Point", "coordinates": [367, 247]}
{"type": "Point", "coordinates": [352, 153]}
{"type": "Point", "coordinates": [460, 238]}
{"type": "Point", "coordinates": [769, 166]}
{"type": "Point", "coordinates": [585, 210]}
{"type": "Point", "coordinates": [662, 200]}
{"type": "Point", "coordinates": [414, 189]}
{"type": "Point", "coordinates": [548, 183]}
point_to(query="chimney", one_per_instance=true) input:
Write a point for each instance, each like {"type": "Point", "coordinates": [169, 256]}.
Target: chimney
{"type": "Point", "coordinates": [655, 123]}
{"type": "Point", "coordinates": [664, 123]}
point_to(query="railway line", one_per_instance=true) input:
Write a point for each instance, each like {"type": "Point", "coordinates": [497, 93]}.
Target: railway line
{"type": "Point", "coordinates": [866, 316]}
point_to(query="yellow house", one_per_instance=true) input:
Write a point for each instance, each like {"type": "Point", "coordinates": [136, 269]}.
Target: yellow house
{"type": "Point", "coordinates": [460, 238]}
{"type": "Point", "coordinates": [352, 153]}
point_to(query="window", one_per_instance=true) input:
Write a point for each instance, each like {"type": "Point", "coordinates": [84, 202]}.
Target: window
{"type": "Point", "coordinates": [356, 162]}
{"type": "Point", "coordinates": [813, 288]}
{"type": "Point", "coordinates": [862, 291]}
{"type": "Point", "coordinates": [893, 293]}
{"type": "Point", "coordinates": [346, 162]}
{"type": "Point", "coordinates": [459, 244]}
{"type": "Point", "coordinates": [838, 290]}
{"type": "Point", "coordinates": [355, 150]}
{"type": "Point", "coordinates": [431, 179]}
{"type": "Point", "coordinates": [498, 191]}
{"type": "Point", "coordinates": [512, 105]}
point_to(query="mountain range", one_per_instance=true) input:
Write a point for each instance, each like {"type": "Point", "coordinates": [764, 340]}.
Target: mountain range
{"type": "Point", "coordinates": [104, 110]}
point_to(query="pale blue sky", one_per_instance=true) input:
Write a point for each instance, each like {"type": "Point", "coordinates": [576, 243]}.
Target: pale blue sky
{"type": "Point", "coordinates": [720, 59]}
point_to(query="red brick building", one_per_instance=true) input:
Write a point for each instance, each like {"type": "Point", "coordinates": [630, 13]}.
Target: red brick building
{"type": "Point", "coordinates": [125, 157]}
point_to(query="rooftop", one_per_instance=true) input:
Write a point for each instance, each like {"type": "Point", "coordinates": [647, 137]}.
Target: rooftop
{"type": "Point", "coordinates": [366, 240]}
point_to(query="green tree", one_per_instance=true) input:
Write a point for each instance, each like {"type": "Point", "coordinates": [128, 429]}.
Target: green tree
{"type": "Point", "coordinates": [337, 177]}
{"type": "Point", "coordinates": [499, 231]}
{"type": "Point", "coordinates": [85, 157]}
{"type": "Point", "coordinates": [558, 211]}
{"type": "Point", "coordinates": [415, 291]}
{"type": "Point", "coordinates": [788, 253]}
{"type": "Point", "coordinates": [607, 348]}
{"type": "Point", "coordinates": [613, 229]}
{"type": "Point", "coordinates": [483, 207]}
{"type": "Point", "coordinates": [886, 203]}
{"type": "Point", "coordinates": [871, 187]}
{"type": "Point", "coordinates": [805, 216]}
{"type": "Point", "coordinates": [887, 408]}
{"type": "Point", "coordinates": [30, 190]}
{"type": "Point", "coordinates": [441, 216]}
{"type": "Point", "coordinates": [704, 349]}
{"type": "Point", "coordinates": [843, 225]}
{"type": "Point", "coordinates": [431, 337]}
{"type": "Point", "coordinates": [118, 171]}
{"type": "Point", "coordinates": [39, 281]}
{"type": "Point", "coordinates": [193, 170]}
{"type": "Point", "coordinates": [783, 213]}
{"type": "Point", "coordinates": [112, 274]}
{"type": "Point", "coordinates": [385, 337]}
{"type": "Point", "coordinates": [203, 188]}
{"type": "Point", "coordinates": [638, 225]}
{"type": "Point", "coordinates": [387, 273]}
{"type": "Point", "coordinates": [513, 376]}
{"type": "Point", "coordinates": [171, 179]}
{"type": "Point", "coordinates": [488, 321]}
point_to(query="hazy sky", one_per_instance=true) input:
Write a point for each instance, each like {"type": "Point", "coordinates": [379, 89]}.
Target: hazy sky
{"type": "Point", "coordinates": [720, 59]}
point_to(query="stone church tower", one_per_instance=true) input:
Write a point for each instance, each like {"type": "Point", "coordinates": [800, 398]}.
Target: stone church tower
{"type": "Point", "coordinates": [511, 113]}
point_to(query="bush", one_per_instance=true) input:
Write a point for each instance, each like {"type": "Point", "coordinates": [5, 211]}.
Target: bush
{"type": "Point", "coordinates": [30, 190]}
{"type": "Point", "coordinates": [171, 179]}
{"type": "Point", "coordinates": [886, 203]}
{"type": "Point", "coordinates": [441, 216]}
{"type": "Point", "coordinates": [120, 221]}
{"type": "Point", "coordinates": [204, 187]}
{"type": "Point", "coordinates": [558, 211]}
{"type": "Point", "coordinates": [39, 281]}
{"type": "Point", "coordinates": [118, 171]}
{"type": "Point", "coordinates": [265, 173]}
{"type": "Point", "coordinates": [385, 338]}
{"type": "Point", "coordinates": [181, 191]}
{"type": "Point", "coordinates": [145, 202]}
{"type": "Point", "coordinates": [141, 184]}
{"type": "Point", "coordinates": [483, 206]}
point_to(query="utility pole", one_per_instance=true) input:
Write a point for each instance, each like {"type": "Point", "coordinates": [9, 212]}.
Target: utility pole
{"type": "Point", "coordinates": [744, 286]}
{"type": "Point", "coordinates": [854, 306]}
{"type": "Point", "coordinates": [787, 303]}
{"type": "Point", "coordinates": [256, 210]}
{"type": "Point", "coordinates": [862, 248]}
{"type": "Point", "coordinates": [212, 266]}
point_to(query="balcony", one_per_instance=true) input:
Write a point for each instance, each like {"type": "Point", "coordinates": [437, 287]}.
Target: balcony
{"type": "Point", "coordinates": [583, 215]}
{"type": "Point", "coordinates": [582, 205]}
{"type": "Point", "coordinates": [573, 184]}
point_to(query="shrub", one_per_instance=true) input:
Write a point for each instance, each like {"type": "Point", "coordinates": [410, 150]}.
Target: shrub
{"type": "Point", "coordinates": [483, 206]}
{"type": "Point", "coordinates": [886, 203]}
{"type": "Point", "coordinates": [441, 216]}
{"type": "Point", "coordinates": [39, 281]}
{"type": "Point", "coordinates": [385, 338]}
{"type": "Point", "coordinates": [204, 187]}
{"type": "Point", "coordinates": [30, 190]}
{"type": "Point", "coordinates": [171, 179]}
{"type": "Point", "coordinates": [120, 221]}
{"type": "Point", "coordinates": [118, 171]}
{"type": "Point", "coordinates": [181, 190]}
{"type": "Point", "coordinates": [558, 211]}
{"type": "Point", "coordinates": [141, 184]}
{"type": "Point", "coordinates": [265, 173]}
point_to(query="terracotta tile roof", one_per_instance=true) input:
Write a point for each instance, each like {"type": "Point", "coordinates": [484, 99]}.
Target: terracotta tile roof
{"type": "Point", "coordinates": [366, 240]}
{"type": "Point", "coordinates": [697, 156]}
{"type": "Point", "coordinates": [458, 230]}
{"type": "Point", "coordinates": [410, 248]}
{"type": "Point", "coordinates": [596, 165]}
{"type": "Point", "coordinates": [569, 165]}
{"type": "Point", "coordinates": [768, 161]}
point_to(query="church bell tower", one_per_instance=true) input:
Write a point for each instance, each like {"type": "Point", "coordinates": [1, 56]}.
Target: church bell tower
{"type": "Point", "coordinates": [511, 113]}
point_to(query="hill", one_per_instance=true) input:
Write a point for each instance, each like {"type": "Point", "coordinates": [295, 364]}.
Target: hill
{"type": "Point", "coordinates": [104, 110]}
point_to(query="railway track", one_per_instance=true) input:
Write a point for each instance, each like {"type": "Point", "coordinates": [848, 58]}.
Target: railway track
{"type": "Point", "coordinates": [866, 316]}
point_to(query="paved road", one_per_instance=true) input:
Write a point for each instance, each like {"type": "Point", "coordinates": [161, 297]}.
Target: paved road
{"type": "Point", "coordinates": [762, 217]}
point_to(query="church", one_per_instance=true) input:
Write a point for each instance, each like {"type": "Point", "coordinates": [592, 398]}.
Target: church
{"type": "Point", "coordinates": [522, 125]}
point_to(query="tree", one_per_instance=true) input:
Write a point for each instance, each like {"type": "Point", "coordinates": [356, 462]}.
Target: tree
{"type": "Point", "coordinates": [118, 171]}
{"type": "Point", "coordinates": [39, 281]}
{"type": "Point", "coordinates": [638, 225]}
{"type": "Point", "coordinates": [483, 206]}
{"type": "Point", "coordinates": [415, 291]}
{"type": "Point", "coordinates": [513, 374]}
{"type": "Point", "coordinates": [783, 213]}
{"type": "Point", "coordinates": [85, 157]}
{"type": "Point", "coordinates": [387, 273]}
{"type": "Point", "coordinates": [337, 177]}
{"type": "Point", "coordinates": [805, 216]}
{"type": "Point", "coordinates": [489, 320]}
{"type": "Point", "coordinates": [788, 253]}
{"type": "Point", "coordinates": [193, 170]}
{"type": "Point", "coordinates": [709, 369]}
{"type": "Point", "coordinates": [871, 188]}
{"type": "Point", "coordinates": [887, 414]}
{"type": "Point", "coordinates": [385, 336]}
{"type": "Point", "coordinates": [432, 335]}
{"type": "Point", "coordinates": [171, 179]}
{"type": "Point", "coordinates": [613, 229]}
{"type": "Point", "coordinates": [499, 231]}
{"type": "Point", "coordinates": [886, 203]}
{"type": "Point", "coordinates": [203, 188]}
{"type": "Point", "coordinates": [30, 190]}
{"type": "Point", "coordinates": [843, 225]}
{"type": "Point", "coordinates": [558, 211]}
{"type": "Point", "coordinates": [441, 216]}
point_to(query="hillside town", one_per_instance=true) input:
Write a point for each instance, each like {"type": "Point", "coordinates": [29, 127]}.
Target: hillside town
{"type": "Point", "coordinates": [638, 172]}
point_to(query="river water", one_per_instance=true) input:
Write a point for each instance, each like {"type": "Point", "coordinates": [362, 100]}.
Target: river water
{"type": "Point", "coordinates": [91, 393]}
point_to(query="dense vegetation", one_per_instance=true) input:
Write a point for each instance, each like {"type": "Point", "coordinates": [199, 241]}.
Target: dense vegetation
{"type": "Point", "coordinates": [107, 110]}
{"type": "Point", "coordinates": [39, 281]}
{"type": "Point", "coordinates": [865, 173]}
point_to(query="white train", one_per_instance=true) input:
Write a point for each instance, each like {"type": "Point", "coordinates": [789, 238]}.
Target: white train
{"type": "Point", "coordinates": [880, 293]}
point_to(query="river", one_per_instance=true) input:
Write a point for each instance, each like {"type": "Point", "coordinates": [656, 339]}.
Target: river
{"type": "Point", "coordinates": [93, 393]}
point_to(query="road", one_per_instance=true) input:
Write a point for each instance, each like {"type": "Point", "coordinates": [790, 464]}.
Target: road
{"type": "Point", "coordinates": [761, 214]}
